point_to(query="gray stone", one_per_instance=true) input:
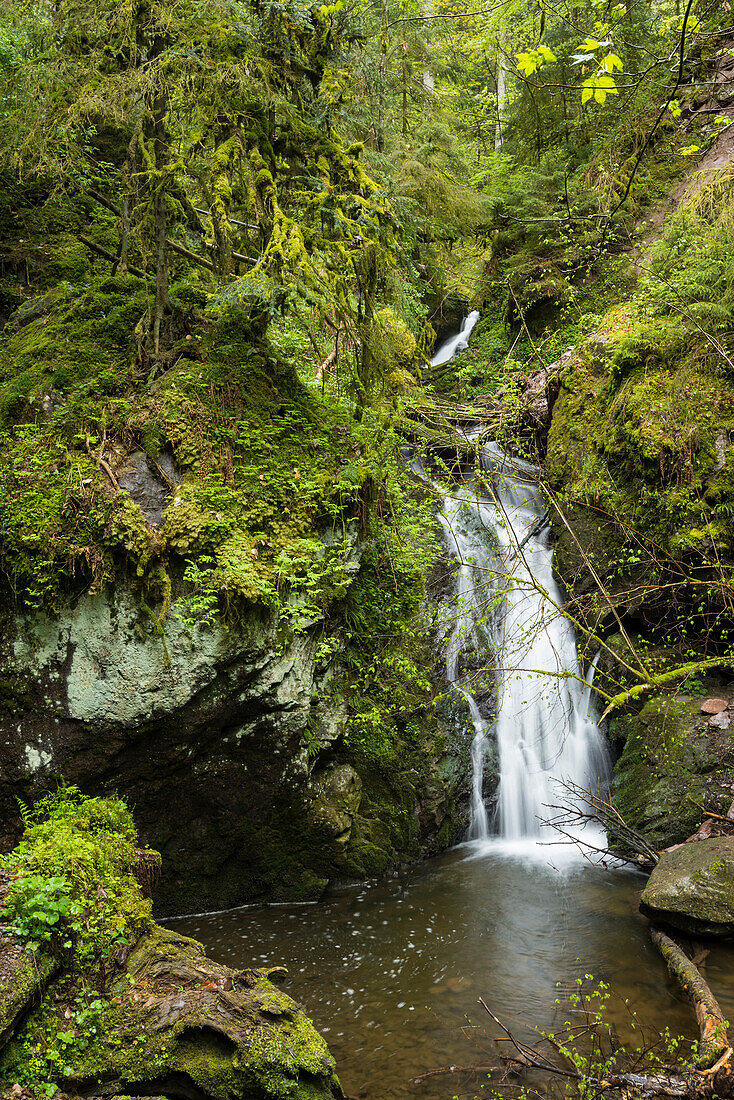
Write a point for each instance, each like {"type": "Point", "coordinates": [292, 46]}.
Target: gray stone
{"type": "Point", "coordinates": [692, 888]}
{"type": "Point", "coordinates": [141, 477]}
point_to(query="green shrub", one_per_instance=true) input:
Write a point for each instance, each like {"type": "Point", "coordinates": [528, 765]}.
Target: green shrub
{"type": "Point", "coordinates": [73, 885]}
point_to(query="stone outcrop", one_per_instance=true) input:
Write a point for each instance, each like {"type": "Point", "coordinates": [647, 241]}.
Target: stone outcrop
{"type": "Point", "coordinates": [229, 743]}
{"type": "Point", "coordinates": [179, 1025]}
{"type": "Point", "coordinates": [676, 764]}
{"type": "Point", "coordinates": [692, 888]}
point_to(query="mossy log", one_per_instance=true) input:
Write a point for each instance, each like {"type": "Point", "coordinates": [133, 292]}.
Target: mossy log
{"type": "Point", "coordinates": [713, 1043]}
{"type": "Point", "coordinates": [693, 668]}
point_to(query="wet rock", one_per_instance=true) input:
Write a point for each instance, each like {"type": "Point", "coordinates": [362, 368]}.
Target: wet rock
{"type": "Point", "coordinates": [149, 482]}
{"type": "Point", "coordinates": [692, 888]}
{"type": "Point", "coordinates": [674, 764]}
{"type": "Point", "coordinates": [338, 795]}
{"type": "Point", "coordinates": [722, 721]}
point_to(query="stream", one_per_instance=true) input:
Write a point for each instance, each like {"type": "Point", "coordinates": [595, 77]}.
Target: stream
{"type": "Point", "coordinates": [391, 973]}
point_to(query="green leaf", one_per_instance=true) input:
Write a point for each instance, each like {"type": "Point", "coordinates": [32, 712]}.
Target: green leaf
{"type": "Point", "coordinates": [527, 63]}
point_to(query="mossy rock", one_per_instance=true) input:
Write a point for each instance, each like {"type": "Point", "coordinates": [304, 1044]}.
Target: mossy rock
{"type": "Point", "coordinates": [673, 768]}
{"type": "Point", "coordinates": [114, 1004]}
{"type": "Point", "coordinates": [638, 447]}
{"type": "Point", "coordinates": [226, 1033]}
{"type": "Point", "coordinates": [692, 888]}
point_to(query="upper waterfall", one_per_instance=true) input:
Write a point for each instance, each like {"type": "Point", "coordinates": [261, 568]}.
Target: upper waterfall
{"type": "Point", "coordinates": [448, 349]}
{"type": "Point", "coordinates": [507, 606]}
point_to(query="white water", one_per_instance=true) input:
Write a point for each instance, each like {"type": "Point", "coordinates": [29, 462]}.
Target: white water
{"type": "Point", "coordinates": [506, 601]}
{"type": "Point", "coordinates": [456, 343]}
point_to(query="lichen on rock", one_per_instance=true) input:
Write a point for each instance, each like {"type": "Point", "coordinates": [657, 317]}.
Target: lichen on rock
{"type": "Point", "coordinates": [692, 888]}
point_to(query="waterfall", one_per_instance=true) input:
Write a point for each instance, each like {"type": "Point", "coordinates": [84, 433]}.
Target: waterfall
{"type": "Point", "coordinates": [456, 343]}
{"type": "Point", "coordinates": [507, 607]}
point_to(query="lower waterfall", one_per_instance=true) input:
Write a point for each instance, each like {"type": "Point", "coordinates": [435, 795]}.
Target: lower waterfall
{"type": "Point", "coordinates": [506, 619]}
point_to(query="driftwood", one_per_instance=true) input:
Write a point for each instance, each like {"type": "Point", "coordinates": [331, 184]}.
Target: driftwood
{"type": "Point", "coordinates": [713, 1045]}
{"type": "Point", "coordinates": [325, 367]}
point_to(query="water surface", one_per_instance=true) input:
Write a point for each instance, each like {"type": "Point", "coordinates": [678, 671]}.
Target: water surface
{"type": "Point", "coordinates": [391, 974]}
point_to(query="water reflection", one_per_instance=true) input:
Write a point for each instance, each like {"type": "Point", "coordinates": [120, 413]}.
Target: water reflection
{"type": "Point", "coordinates": [391, 974]}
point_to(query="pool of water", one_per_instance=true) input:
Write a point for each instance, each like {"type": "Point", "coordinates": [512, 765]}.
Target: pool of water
{"type": "Point", "coordinates": [391, 974]}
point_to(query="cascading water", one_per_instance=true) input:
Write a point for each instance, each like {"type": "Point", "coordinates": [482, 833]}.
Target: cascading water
{"type": "Point", "coordinates": [507, 601]}
{"type": "Point", "coordinates": [456, 343]}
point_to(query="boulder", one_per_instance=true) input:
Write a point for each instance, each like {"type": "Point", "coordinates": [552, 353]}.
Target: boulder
{"type": "Point", "coordinates": [692, 888]}
{"type": "Point", "coordinates": [177, 1023]}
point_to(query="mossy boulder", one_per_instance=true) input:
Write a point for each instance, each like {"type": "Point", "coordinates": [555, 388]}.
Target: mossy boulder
{"type": "Point", "coordinates": [174, 1016]}
{"type": "Point", "coordinates": [97, 999]}
{"type": "Point", "coordinates": [692, 888]}
{"type": "Point", "coordinates": [675, 766]}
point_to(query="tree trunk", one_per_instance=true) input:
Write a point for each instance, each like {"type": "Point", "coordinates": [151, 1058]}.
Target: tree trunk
{"type": "Point", "coordinates": [501, 92]}
{"type": "Point", "coordinates": [428, 81]}
{"type": "Point", "coordinates": [382, 79]}
{"type": "Point", "coordinates": [160, 215]}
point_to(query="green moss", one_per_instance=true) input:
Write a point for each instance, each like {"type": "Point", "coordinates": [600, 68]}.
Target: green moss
{"type": "Point", "coordinates": [88, 847]}
{"type": "Point", "coordinates": [633, 441]}
{"type": "Point", "coordinates": [672, 769]}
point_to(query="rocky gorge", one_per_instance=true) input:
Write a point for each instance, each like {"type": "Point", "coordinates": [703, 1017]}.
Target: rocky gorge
{"type": "Point", "coordinates": [289, 602]}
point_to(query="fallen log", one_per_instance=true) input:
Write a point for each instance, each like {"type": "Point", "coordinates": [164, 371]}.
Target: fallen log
{"type": "Point", "coordinates": [713, 1047]}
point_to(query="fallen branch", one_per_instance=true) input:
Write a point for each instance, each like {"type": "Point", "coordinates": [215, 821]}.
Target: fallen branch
{"type": "Point", "coordinates": [681, 672]}
{"type": "Point", "coordinates": [588, 805]}
{"type": "Point", "coordinates": [325, 367]}
{"type": "Point", "coordinates": [107, 255]}
{"type": "Point", "coordinates": [675, 1083]}
{"type": "Point", "coordinates": [107, 469]}
{"type": "Point", "coordinates": [713, 1047]}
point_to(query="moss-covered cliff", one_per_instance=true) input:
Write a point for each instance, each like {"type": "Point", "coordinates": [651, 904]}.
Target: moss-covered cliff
{"type": "Point", "coordinates": [214, 596]}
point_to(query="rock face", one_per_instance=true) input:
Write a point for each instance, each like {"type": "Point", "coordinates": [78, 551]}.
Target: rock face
{"type": "Point", "coordinates": [692, 888]}
{"type": "Point", "coordinates": [229, 743]}
{"type": "Point", "coordinates": [674, 765]}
